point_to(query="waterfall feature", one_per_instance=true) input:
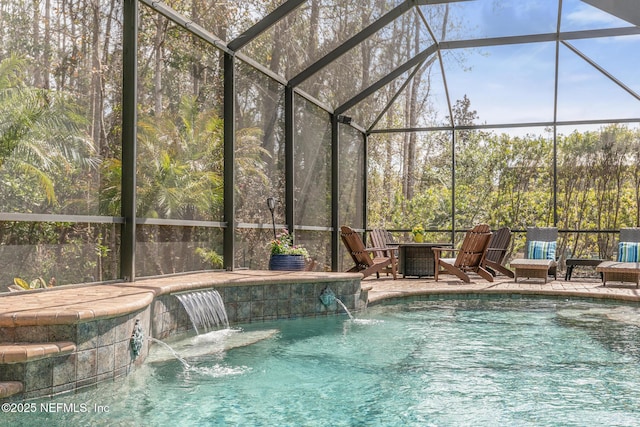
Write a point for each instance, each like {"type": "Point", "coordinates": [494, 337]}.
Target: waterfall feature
{"type": "Point", "coordinates": [205, 309]}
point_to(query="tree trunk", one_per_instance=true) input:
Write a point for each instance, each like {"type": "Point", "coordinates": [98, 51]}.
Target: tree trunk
{"type": "Point", "coordinates": [270, 105]}
{"type": "Point", "coordinates": [37, 68]}
{"type": "Point", "coordinates": [46, 50]}
{"type": "Point", "coordinates": [96, 78]}
{"type": "Point", "coordinates": [158, 58]}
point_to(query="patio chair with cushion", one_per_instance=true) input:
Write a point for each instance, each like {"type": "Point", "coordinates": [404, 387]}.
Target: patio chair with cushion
{"type": "Point", "coordinates": [626, 268]}
{"type": "Point", "coordinates": [470, 256]}
{"type": "Point", "coordinates": [365, 259]}
{"type": "Point", "coordinates": [497, 252]}
{"type": "Point", "coordinates": [539, 254]}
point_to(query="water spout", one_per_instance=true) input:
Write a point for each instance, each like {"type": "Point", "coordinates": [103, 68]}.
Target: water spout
{"type": "Point", "coordinates": [344, 307]}
{"type": "Point", "coordinates": [327, 297]}
{"type": "Point", "coordinates": [176, 355]}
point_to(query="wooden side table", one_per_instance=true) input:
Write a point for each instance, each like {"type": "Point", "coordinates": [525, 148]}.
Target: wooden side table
{"type": "Point", "coordinates": [532, 268]}
{"type": "Point", "coordinates": [417, 259]}
{"type": "Point", "coordinates": [613, 271]}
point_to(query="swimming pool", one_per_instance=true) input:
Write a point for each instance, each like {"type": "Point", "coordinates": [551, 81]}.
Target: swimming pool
{"type": "Point", "coordinates": [451, 362]}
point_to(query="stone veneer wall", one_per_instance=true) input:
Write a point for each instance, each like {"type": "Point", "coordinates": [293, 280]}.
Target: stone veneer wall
{"type": "Point", "coordinates": [103, 347]}
{"type": "Point", "coordinates": [260, 302]}
{"type": "Point", "coordinates": [103, 352]}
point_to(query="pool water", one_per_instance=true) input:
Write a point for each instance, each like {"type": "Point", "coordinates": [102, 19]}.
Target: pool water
{"type": "Point", "coordinates": [490, 362]}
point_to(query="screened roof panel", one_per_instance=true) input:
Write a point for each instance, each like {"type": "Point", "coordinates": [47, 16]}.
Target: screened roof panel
{"type": "Point", "coordinates": [615, 55]}
{"type": "Point", "coordinates": [505, 84]}
{"type": "Point", "coordinates": [313, 30]}
{"type": "Point", "coordinates": [371, 109]}
{"type": "Point", "coordinates": [626, 10]}
{"type": "Point", "coordinates": [585, 93]}
{"type": "Point", "coordinates": [342, 51]}
{"type": "Point", "coordinates": [370, 60]}
{"type": "Point", "coordinates": [579, 15]}
{"type": "Point", "coordinates": [492, 18]}
{"type": "Point", "coordinates": [432, 108]}
{"type": "Point", "coordinates": [238, 16]}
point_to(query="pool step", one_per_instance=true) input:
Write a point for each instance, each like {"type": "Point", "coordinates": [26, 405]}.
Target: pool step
{"type": "Point", "coordinates": [27, 351]}
{"type": "Point", "coordinates": [9, 388]}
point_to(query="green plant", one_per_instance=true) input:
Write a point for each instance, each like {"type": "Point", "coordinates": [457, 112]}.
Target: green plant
{"type": "Point", "coordinates": [210, 256]}
{"type": "Point", "coordinates": [283, 245]}
{"type": "Point", "coordinates": [38, 283]}
{"type": "Point", "coordinates": [418, 229]}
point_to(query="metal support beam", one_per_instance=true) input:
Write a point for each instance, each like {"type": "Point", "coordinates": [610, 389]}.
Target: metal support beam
{"type": "Point", "coordinates": [229, 161]}
{"type": "Point", "coordinates": [335, 194]}
{"type": "Point", "coordinates": [421, 57]}
{"type": "Point", "coordinates": [129, 135]}
{"type": "Point", "coordinates": [555, 176]}
{"type": "Point", "coordinates": [354, 41]}
{"type": "Point", "coordinates": [453, 186]}
{"type": "Point", "coordinates": [539, 38]}
{"type": "Point", "coordinates": [396, 95]}
{"type": "Point", "coordinates": [264, 24]}
{"type": "Point", "coordinates": [508, 125]}
{"type": "Point", "coordinates": [289, 165]}
{"type": "Point", "coordinates": [186, 23]}
{"type": "Point", "coordinates": [555, 117]}
{"type": "Point", "coordinates": [602, 70]}
{"type": "Point", "coordinates": [365, 187]}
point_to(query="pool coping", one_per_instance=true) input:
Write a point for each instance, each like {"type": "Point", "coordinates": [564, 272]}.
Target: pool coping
{"type": "Point", "coordinates": [82, 303]}
{"type": "Point", "coordinates": [590, 288]}
{"type": "Point", "coordinates": [73, 304]}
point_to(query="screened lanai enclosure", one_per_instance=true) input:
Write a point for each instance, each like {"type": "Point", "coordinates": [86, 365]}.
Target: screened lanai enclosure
{"type": "Point", "coordinates": [143, 138]}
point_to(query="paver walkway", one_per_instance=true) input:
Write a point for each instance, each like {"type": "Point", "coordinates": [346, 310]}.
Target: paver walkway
{"type": "Point", "coordinates": [385, 288]}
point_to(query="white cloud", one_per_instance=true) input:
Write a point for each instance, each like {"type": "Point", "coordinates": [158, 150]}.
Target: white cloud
{"type": "Point", "coordinates": [585, 15]}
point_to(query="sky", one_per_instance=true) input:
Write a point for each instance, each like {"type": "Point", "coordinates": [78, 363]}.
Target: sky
{"type": "Point", "coordinates": [516, 83]}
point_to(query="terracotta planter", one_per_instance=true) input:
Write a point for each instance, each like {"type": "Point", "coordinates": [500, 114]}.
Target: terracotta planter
{"type": "Point", "coordinates": [286, 262]}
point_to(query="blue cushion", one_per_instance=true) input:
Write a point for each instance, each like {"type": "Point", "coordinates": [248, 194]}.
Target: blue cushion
{"type": "Point", "coordinates": [628, 252]}
{"type": "Point", "coordinates": [541, 250]}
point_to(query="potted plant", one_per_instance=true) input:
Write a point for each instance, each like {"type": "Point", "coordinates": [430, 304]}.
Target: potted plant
{"type": "Point", "coordinates": [285, 255]}
{"type": "Point", "coordinates": [418, 233]}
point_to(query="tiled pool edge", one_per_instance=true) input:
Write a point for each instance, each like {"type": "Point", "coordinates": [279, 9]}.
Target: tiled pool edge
{"type": "Point", "coordinates": [448, 296]}
{"type": "Point", "coordinates": [249, 303]}
{"type": "Point", "coordinates": [103, 342]}
{"type": "Point", "coordinates": [377, 295]}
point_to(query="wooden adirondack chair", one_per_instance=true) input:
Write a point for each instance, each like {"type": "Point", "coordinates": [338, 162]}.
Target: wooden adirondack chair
{"type": "Point", "coordinates": [470, 255]}
{"type": "Point", "coordinates": [381, 238]}
{"type": "Point", "coordinates": [365, 259]}
{"type": "Point", "coordinates": [497, 251]}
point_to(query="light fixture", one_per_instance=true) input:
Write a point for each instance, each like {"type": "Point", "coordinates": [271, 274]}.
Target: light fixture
{"type": "Point", "coordinates": [344, 119]}
{"type": "Point", "coordinates": [271, 203]}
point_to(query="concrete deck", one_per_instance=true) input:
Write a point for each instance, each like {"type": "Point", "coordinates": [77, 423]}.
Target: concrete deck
{"type": "Point", "coordinates": [586, 287]}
